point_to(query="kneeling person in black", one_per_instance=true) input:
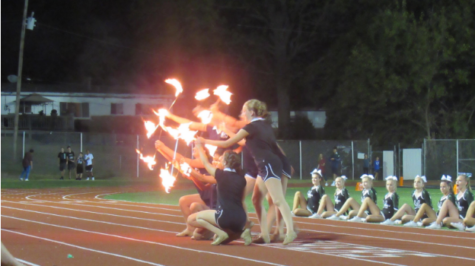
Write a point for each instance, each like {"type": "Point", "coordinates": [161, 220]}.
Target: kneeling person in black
{"type": "Point", "coordinates": [230, 217]}
{"type": "Point", "coordinates": [62, 161]}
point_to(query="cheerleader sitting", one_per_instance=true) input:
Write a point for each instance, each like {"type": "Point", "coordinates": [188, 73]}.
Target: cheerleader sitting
{"type": "Point", "coordinates": [368, 191]}
{"type": "Point", "coordinates": [470, 218]}
{"type": "Point", "coordinates": [309, 207]}
{"type": "Point", "coordinates": [375, 215]}
{"type": "Point", "coordinates": [426, 213]}
{"type": "Point", "coordinates": [341, 196]}
{"type": "Point", "coordinates": [419, 197]}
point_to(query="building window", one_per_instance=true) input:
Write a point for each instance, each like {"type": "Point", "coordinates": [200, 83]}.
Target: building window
{"type": "Point", "coordinates": [117, 108]}
{"type": "Point", "coordinates": [138, 109]}
{"type": "Point", "coordinates": [146, 109]}
{"type": "Point", "coordinates": [75, 109]}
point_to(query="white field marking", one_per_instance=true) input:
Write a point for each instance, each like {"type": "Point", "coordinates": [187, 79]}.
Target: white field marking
{"type": "Point", "coordinates": [119, 203]}
{"type": "Point", "coordinates": [395, 231]}
{"type": "Point", "coordinates": [100, 213]}
{"type": "Point", "coordinates": [336, 252]}
{"type": "Point", "coordinates": [41, 194]}
{"type": "Point", "coordinates": [84, 248]}
{"type": "Point", "coordinates": [145, 241]}
{"type": "Point", "coordinates": [90, 220]}
{"type": "Point", "coordinates": [26, 262]}
{"type": "Point", "coordinates": [65, 197]}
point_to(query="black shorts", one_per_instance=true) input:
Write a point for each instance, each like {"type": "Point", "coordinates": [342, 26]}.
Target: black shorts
{"type": "Point", "coordinates": [71, 166]}
{"type": "Point", "coordinates": [89, 168]}
{"type": "Point", "coordinates": [231, 220]}
{"type": "Point", "coordinates": [62, 166]}
{"type": "Point", "coordinates": [387, 214]}
{"type": "Point", "coordinates": [270, 168]}
{"type": "Point", "coordinates": [79, 169]}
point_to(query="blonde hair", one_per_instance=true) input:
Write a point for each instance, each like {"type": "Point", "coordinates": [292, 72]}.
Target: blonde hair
{"type": "Point", "coordinates": [369, 179]}
{"type": "Point", "coordinates": [259, 108]}
{"type": "Point", "coordinates": [468, 182]}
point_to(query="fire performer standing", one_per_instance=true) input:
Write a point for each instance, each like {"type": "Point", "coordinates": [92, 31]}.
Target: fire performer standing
{"type": "Point", "coordinates": [261, 141]}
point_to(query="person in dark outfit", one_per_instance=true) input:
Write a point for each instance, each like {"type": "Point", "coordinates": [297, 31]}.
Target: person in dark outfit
{"type": "Point", "coordinates": [341, 195]}
{"type": "Point", "coordinates": [79, 166]}
{"type": "Point", "coordinates": [335, 162]}
{"type": "Point", "coordinates": [27, 164]}
{"type": "Point", "coordinates": [62, 161]}
{"type": "Point", "coordinates": [71, 163]}
{"type": "Point", "coordinates": [309, 206]}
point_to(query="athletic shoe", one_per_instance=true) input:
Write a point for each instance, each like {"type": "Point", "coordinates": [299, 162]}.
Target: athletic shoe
{"type": "Point", "coordinates": [460, 226]}
{"type": "Point", "coordinates": [26, 179]}
{"type": "Point", "coordinates": [387, 222]}
{"type": "Point", "coordinates": [470, 229]}
{"type": "Point", "coordinates": [333, 218]}
{"type": "Point", "coordinates": [21, 179]}
{"type": "Point", "coordinates": [343, 217]}
{"type": "Point", "coordinates": [356, 219]}
{"type": "Point", "coordinates": [434, 225]}
{"type": "Point", "coordinates": [87, 178]}
{"type": "Point", "coordinates": [315, 216]}
{"type": "Point", "coordinates": [326, 184]}
{"type": "Point", "coordinates": [419, 224]}
{"type": "Point", "coordinates": [398, 222]}
{"type": "Point", "coordinates": [93, 179]}
{"type": "Point", "coordinates": [411, 224]}
{"type": "Point", "coordinates": [333, 184]}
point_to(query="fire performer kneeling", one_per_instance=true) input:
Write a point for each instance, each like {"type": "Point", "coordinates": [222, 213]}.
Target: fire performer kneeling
{"type": "Point", "coordinates": [229, 222]}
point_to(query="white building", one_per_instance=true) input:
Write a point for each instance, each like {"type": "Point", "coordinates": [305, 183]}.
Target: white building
{"type": "Point", "coordinates": [317, 118]}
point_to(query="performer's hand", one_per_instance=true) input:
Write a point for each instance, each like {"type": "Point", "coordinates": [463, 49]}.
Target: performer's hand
{"type": "Point", "coordinates": [199, 142]}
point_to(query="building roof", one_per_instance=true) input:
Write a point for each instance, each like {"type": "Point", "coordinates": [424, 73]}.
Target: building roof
{"type": "Point", "coordinates": [35, 99]}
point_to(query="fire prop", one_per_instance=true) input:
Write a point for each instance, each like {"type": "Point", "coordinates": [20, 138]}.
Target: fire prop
{"type": "Point", "coordinates": [186, 169]}
{"type": "Point", "coordinates": [223, 94]}
{"type": "Point", "coordinates": [211, 148]}
{"type": "Point", "coordinates": [168, 180]}
{"type": "Point", "coordinates": [205, 116]}
{"type": "Point", "coordinates": [149, 160]}
{"type": "Point", "coordinates": [202, 94]}
{"type": "Point", "coordinates": [150, 128]}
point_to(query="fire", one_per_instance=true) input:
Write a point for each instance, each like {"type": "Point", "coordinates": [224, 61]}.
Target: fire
{"type": "Point", "coordinates": [186, 169]}
{"type": "Point", "coordinates": [149, 160]}
{"type": "Point", "coordinates": [182, 132]}
{"type": "Point", "coordinates": [223, 94]}
{"type": "Point", "coordinates": [176, 84]}
{"type": "Point", "coordinates": [211, 148]}
{"type": "Point", "coordinates": [162, 114]}
{"type": "Point", "coordinates": [150, 127]}
{"type": "Point", "coordinates": [168, 180]}
{"type": "Point", "coordinates": [205, 116]}
{"type": "Point", "coordinates": [202, 94]}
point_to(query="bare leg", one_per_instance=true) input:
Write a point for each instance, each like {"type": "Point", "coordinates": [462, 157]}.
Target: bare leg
{"type": "Point", "coordinates": [299, 201]}
{"type": "Point", "coordinates": [206, 219]}
{"type": "Point", "coordinates": [373, 208]}
{"type": "Point", "coordinates": [453, 214]}
{"type": "Point", "coordinates": [260, 190]}
{"type": "Point", "coordinates": [250, 183]}
{"type": "Point", "coordinates": [326, 202]}
{"type": "Point", "coordinates": [402, 211]}
{"type": "Point", "coordinates": [349, 203]}
{"type": "Point", "coordinates": [469, 218]}
{"type": "Point", "coordinates": [185, 204]}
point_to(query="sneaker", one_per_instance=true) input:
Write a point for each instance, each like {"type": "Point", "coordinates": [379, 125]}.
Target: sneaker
{"type": "Point", "coordinates": [93, 179]}
{"type": "Point", "coordinates": [343, 217]}
{"type": "Point", "coordinates": [434, 225]}
{"type": "Point", "coordinates": [460, 226]}
{"type": "Point", "coordinates": [315, 216]}
{"type": "Point", "coordinates": [470, 229]}
{"type": "Point", "coordinates": [411, 224]}
{"type": "Point", "coordinates": [398, 222]}
{"type": "Point", "coordinates": [21, 179]}
{"type": "Point", "coordinates": [87, 178]}
{"type": "Point", "coordinates": [326, 184]}
{"type": "Point", "coordinates": [387, 222]}
{"type": "Point", "coordinates": [26, 179]}
{"type": "Point", "coordinates": [419, 224]}
{"type": "Point", "coordinates": [356, 219]}
{"type": "Point", "coordinates": [333, 184]}
{"type": "Point", "coordinates": [333, 218]}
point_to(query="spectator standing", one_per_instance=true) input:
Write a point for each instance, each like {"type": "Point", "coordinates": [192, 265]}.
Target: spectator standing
{"type": "Point", "coordinates": [335, 164]}
{"type": "Point", "coordinates": [27, 163]}
{"type": "Point", "coordinates": [321, 166]}
{"type": "Point", "coordinates": [88, 157]}
{"type": "Point", "coordinates": [71, 164]}
{"type": "Point", "coordinates": [62, 161]}
{"type": "Point", "coordinates": [376, 167]}
{"type": "Point", "coordinates": [366, 165]}
{"type": "Point", "coordinates": [79, 166]}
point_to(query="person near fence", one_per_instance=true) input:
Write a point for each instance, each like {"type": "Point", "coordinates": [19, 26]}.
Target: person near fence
{"type": "Point", "coordinates": [376, 168]}
{"type": "Point", "coordinates": [370, 212]}
{"type": "Point", "coordinates": [88, 157]}
{"type": "Point", "coordinates": [341, 195]}
{"type": "Point", "coordinates": [367, 192]}
{"type": "Point", "coordinates": [62, 161]}
{"type": "Point", "coordinates": [79, 166]}
{"type": "Point", "coordinates": [309, 207]}
{"type": "Point", "coordinates": [229, 221]}
{"type": "Point", "coordinates": [469, 220]}
{"type": "Point", "coordinates": [335, 160]}
{"type": "Point", "coordinates": [261, 141]}
{"type": "Point", "coordinates": [366, 163]}
{"type": "Point", "coordinates": [71, 163]}
{"type": "Point", "coordinates": [321, 166]}
{"type": "Point", "coordinates": [426, 215]}
{"type": "Point", "coordinates": [27, 164]}
{"type": "Point", "coordinates": [452, 215]}
{"type": "Point", "coordinates": [419, 196]}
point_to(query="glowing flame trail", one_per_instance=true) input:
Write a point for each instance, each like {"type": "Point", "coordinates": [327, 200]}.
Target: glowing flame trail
{"type": "Point", "coordinates": [168, 180]}
{"type": "Point", "coordinates": [176, 84]}
{"type": "Point", "coordinates": [186, 169]}
{"type": "Point", "coordinates": [149, 160]}
{"type": "Point", "coordinates": [205, 116]}
{"type": "Point", "coordinates": [211, 148]}
{"type": "Point", "coordinates": [223, 94]}
{"type": "Point", "coordinates": [150, 128]}
{"type": "Point", "coordinates": [202, 94]}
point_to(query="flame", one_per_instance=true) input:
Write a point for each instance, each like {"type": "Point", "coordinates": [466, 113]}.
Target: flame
{"type": "Point", "coordinates": [162, 114]}
{"type": "Point", "coordinates": [147, 159]}
{"type": "Point", "coordinates": [186, 169]}
{"type": "Point", "coordinates": [211, 148]}
{"type": "Point", "coordinates": [167, 179]}
{"type": "Point", "coordinates": [223, 94]}
{"type": "Point", "coordinates": [150, 127]}
{"type": "Point", "coordinates": [202, 94]}
{"type": "Point", "coordinates": [205, 116]}
{"type": "Point", "coordinates": [182, 132]}
{"type": "Point", "coordinates": [176, 84]}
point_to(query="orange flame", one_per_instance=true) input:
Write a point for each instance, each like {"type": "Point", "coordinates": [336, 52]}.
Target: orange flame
{"type": "Point", "coordinates": [168, 180]}
{"type": "Point", "coordinates": [205, 116]}
{"type": "Point", "coordinates": [186, 169]}
{"type": "Point", "coordinates": [150, 128]}
{"type": "Point", "coordinates": [202, 94]}
{"type": "Point", "coordinates": [149, 160]}
{"type": "Point", "coordinates": [211, 148]}
{"type": "Point", "coordinates": [223, 94]}
{"type": "Point", "coordinates": [182, 132]}
{"type": "Point", "coordinates": [176, 84]}
{"type": "Point", "coordinates": [162, 114]}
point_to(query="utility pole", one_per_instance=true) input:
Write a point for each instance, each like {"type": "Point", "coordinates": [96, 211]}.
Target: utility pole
{"type": "Point", "coordinates": [18, 84]}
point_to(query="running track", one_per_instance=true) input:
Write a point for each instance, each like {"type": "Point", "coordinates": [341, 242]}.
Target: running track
{"type": "Point", "coordinates": [42, 227]}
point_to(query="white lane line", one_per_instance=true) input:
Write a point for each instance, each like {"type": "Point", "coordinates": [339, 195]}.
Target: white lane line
{"type": "Point", "coordinates": [83, 248]}
{"type": "Point", "coordinates": [100, 213]}
{"type": "Point", "coordinates": [120, 203]}
{"type": "Point", "coordinates": [143, 241]}
{"type": "Point", "coordinates": [26, 262]}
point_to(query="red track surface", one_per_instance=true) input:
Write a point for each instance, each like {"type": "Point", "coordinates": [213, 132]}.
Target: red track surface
{"type": "Point", "coordinates": [41, 227]}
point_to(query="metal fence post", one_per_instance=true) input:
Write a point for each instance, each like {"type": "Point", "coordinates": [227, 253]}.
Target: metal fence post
{"type": "Point", "coordinates": [457, 151]}
{"type": "Point", "coordinates": [138, 158]}
{"type": "Point", "coordinates": [80, 142]}
{"type": "Point", "coordinates": [300, 151]}
{"type": "Point", "coordinates": [353, 159]}
{"type": "Point", "coordinates": [424, 156]}
{"type": "Point", "coordinates": [23, 154]}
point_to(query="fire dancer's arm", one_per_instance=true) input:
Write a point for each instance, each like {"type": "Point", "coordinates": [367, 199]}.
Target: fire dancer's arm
{"type": "Point", "coordinates": [219, 117]}
{"type": "Point", "coordinates": [231, 134]}
{"type": "Point", "coordinates": [226, 143]}
{"type": "Point", "coordinates": [200, 185]}
{"type": "Point", "coordinates": [181, 120]}
{"type": "Point", "coordinates": [168, 154]}
{"type": "Point", "coordinates": [203, 178]}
